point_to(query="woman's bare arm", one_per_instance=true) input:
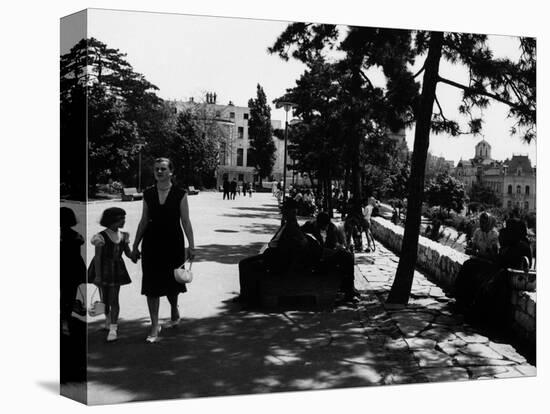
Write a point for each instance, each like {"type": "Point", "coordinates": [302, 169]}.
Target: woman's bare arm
{"type": "Point", "coordinates": [187, 227]}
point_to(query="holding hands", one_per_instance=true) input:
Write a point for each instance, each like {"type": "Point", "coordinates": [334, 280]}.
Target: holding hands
{"type": "Point", "coordinates": [135, 255]}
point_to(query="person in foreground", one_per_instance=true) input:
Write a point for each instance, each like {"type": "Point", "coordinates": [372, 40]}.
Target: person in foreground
{"type": "Point", "coordinates": [107, 270]}
{"type": "Point", "coordinates": [165, 212]}
{"type": "Point", "coordinates": [287, 250]}
{"type": "Point", "coordinates": [335, 256]}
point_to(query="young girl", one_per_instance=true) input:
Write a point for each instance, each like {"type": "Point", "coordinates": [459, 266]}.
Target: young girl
{"type": "Point", "coordinates": [108, 269]}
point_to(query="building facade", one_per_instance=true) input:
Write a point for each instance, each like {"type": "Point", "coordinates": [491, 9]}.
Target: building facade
{"type": "Point", "coordinates": [234, 151]}
{"type": "Point", "coordinates": [512, 180]}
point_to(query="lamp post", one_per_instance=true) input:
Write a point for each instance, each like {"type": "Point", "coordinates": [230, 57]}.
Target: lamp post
{"type": "Point", "coordinates": [287, 106]}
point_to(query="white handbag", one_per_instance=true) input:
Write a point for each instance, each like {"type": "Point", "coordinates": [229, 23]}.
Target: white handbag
{"type": "Point", "coordinates": [183, 275]}
{"type": "Point", "coordinates": [97, 308]}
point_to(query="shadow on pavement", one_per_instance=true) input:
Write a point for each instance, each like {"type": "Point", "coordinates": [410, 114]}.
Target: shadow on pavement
{"type": "Point", "coordinates": [260, 228]}
{"type": "Point", "coordinates": [268, 209]}
{"type": "Point", "coordinates": [226, 254]}
{"type": "Point", "coordinates": [235, 353]}
{"type": "Point", "coordinates": [239, 352]}
{"type": "Point", "coordinates": [259, 215]}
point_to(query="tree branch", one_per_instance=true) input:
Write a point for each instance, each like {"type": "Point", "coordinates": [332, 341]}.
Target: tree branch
{"type": "Point", "coordinates": [420, 71]}
{"type": "Point", "coordinates": [440, 109]}
{"type": "Point", "coordinates": [484, 93]}
{"type": "Point", "coordinates": [365, 77]}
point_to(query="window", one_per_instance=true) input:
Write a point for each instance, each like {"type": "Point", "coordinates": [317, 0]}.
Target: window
{"type": "Point", "coordinates": [240, 132]}
{"type": "Point", "coordinates": [232, 115]}
{"type": "Point", "coordinates": [239, 157]}
{"type": "Point", "coordinates": [518, 189]}
{"type": "Point", "coordinates": [509, 204]}
{"type": "Point", "coordinates": [223, 153]}
{"type": "Point", "coordinates": [526, 206]}
{"type": "Point", "coordinates": [510, 189]}
{"type": "Point", "coordinates": [249, 160]}
{"type": "Point", "coordinates": [519, 171]}
{"type": "Point", "coordinates": [218, 114]}
{"type": "Point", "coordinates": [527, 189]}
{"type": "Point", "coordinates": [245, 116]}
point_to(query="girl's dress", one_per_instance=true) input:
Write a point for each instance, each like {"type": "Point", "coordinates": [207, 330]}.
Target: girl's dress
{"type": "Point", "coordinates": [113, 270]}
{"type": "Point", "coordinates": [163, 247]}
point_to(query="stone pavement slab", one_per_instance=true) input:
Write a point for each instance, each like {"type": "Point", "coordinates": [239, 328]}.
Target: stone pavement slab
{"type": "Point", "coordinates": [444, 346]}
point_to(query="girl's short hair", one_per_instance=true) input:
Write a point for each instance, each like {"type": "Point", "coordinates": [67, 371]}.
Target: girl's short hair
{"type": "Point", "coordinates": [67, 217]}
{"type": "Point", "coordinates": [166, 160]}
{"type": "Point", "coordinates": [111, 215]}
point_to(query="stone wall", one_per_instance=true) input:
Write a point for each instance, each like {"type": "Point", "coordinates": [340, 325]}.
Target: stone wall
{"type": "Point", "coordinates": [442, 264]}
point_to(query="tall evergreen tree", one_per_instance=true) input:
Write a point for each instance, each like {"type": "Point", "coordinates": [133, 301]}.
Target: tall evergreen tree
{"type": "Point", "coordinates": [262, 147]}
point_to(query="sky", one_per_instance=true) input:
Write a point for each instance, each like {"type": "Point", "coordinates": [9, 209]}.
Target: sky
{"type": "Point", "coordinates": [187, 56]}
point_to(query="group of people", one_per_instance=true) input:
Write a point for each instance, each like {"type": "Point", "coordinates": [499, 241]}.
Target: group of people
{"type": "Point", "coordinates": [232, 188]}
{"type": "Point", "coordinates": [305, 199]}
{"type": "Point", "coordinates": [317, 244]}
{"type": "Point", "coordinates": [357, 220]}
{"type": "Point", "coordinates": [481, 286]}
{"type": "Point", "coordinates": [162, 229]}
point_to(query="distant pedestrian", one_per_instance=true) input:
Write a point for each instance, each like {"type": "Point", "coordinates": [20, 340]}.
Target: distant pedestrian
{"type": "Point", "coordinates": [249, 188]}
{"type": "Point", "coordinates": [368, 212]}
{"type": "Point", "coordinates": [233, 189]}
{"type": "Point", "coordinates": [226, 188]}
{"type": "Point", "coordinates": [107, 270]}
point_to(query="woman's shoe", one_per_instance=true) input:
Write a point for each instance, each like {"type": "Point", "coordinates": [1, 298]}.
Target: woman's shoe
{"type": "Point", "coordinates": [112, 335]}
{"type": "Point", "coordinates": [107, 325]}
{"type": "Point", "coordinates": [151, 339]}
{"type": "Point", "coordinates": [172, 324]}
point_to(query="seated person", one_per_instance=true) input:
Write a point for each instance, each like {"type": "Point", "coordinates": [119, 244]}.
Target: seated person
{"type": "Point", "coordinates": [287, 250]}
{"type": "Point", "coordinates": [334, 254]}
{"type": "Point", "coordinates": [478, 269]}
{"type": "Point", "coordinates": [515, 246]}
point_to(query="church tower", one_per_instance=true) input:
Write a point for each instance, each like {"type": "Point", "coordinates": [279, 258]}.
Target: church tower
{"type": "Point", "coordinates": [483, 150]}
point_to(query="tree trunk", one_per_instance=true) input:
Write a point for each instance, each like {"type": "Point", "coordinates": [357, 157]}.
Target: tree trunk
{"type": "Point", "coordinates": [401, 288]}
{"type": "Point", "coordinates": [346, 182]}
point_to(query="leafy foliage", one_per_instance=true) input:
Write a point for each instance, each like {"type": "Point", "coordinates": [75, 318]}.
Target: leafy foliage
{"type": "Point", "coordinates": [446, 192]}
{"type": "Point", "coordinates": [484, 195]}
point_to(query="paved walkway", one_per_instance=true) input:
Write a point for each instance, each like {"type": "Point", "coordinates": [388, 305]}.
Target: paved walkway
{"type": "Point", "coordinates": [222, 349]}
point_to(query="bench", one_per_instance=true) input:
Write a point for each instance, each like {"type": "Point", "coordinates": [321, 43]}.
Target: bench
{"type": "Point", "coordinates": [192, 191]}
{"type": "Point", "coordinates": [522, 280]}
{"type": "Point", "coordinates": [322, 286]}
{"type": "Point", "coordinates": [131, 194]}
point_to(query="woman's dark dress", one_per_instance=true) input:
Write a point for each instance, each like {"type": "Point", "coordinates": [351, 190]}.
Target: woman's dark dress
{"type": "Point", "coordinates": [163, 247]}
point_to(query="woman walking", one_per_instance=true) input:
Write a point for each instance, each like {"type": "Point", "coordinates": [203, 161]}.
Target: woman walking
{"type": "Point", "coordinates": [165, 212]}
